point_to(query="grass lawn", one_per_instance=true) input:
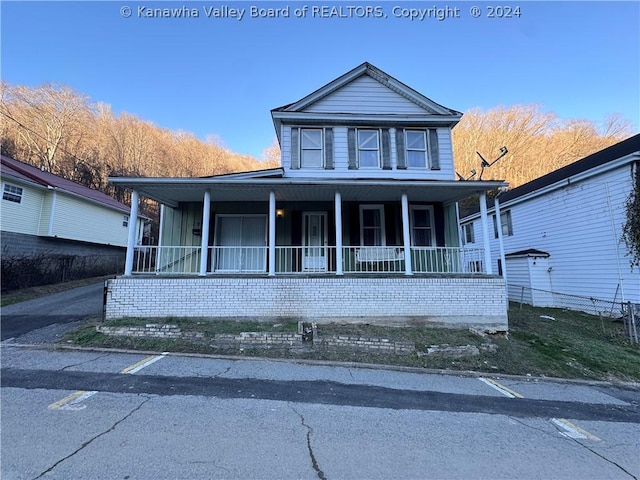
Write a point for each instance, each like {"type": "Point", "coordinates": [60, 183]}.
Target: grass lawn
{"type": "Point", "coordinates": [572, 345]}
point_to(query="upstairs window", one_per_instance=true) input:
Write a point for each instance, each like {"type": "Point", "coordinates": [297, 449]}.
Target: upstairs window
{"type": "Point", "coordinates": [505, 224]}
{"type": "Point", "coordinates": [11, 193]}
{"type": "Point", "coordinates": [368, 148]}
{"type": "Point", "coordinates": [311, 148]}
{"type": "Point", "coordinates": [416, 149]}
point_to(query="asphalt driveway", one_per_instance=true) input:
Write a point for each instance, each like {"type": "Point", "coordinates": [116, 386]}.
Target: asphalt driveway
{"type": "Point", "coordinates": [63, 310]}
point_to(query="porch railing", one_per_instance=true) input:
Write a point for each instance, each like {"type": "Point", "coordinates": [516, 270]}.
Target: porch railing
{"type": "Point", "coordinates": [166, 260]}
{"type": "Point", "coordinates": [295, 259]}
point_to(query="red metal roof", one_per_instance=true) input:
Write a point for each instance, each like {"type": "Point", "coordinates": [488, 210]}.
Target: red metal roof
{"type": "Point", "coordinates": [22, 171]}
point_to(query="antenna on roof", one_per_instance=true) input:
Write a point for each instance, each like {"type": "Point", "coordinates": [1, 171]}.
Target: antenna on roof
{"type": "Point", "coordinates": [461, 178]}
{"type": "Point", "coordinates": [485, 164]}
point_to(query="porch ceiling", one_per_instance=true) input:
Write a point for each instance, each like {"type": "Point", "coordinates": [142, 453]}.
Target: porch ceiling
{"type": "Point", "coordinates": [172, 191]}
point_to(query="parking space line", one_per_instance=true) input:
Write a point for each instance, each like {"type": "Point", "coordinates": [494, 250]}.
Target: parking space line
{"type": "Point", "coordinates": [573, 431]}
{"type": "Point", "coordinates": [73, 401]}
{"type": "Point", "coordinates": [507, 392]}
{"type": "Point", "coordinates": [145, 362]}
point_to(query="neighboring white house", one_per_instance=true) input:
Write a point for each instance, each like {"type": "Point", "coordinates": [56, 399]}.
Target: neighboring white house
{"type": "Point", "coordinates": [562, 233]}
{"type": "Point", "coordinates": [359, 223]}
{"type": "Point", "coordinates": [47, 215]}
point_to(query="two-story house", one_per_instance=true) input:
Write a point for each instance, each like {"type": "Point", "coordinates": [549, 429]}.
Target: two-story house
{"type": "Point", "coordinates": [360, 222]}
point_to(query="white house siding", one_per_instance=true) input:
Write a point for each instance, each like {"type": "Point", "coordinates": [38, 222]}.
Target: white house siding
{"type": "Point", "coordinates": [459, 302]}
{"type": "Point", "coordinates": [365, 95]}
{"type": "Point", "coordinates": [574, 225]}
{"type": "Point", "coordinates": [76, 219]}
{"type": "Point", "coordinates": [518, 277]}
{"type": "Point", "coordinates": [341, 160]}
{"type": "Point", "coordinates": [22, 217]}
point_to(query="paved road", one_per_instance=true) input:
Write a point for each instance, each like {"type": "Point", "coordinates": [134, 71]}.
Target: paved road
{"type": "Point", "coordinates": [78, 414]}
{"type": "Point", "coordinates": [67, 307]}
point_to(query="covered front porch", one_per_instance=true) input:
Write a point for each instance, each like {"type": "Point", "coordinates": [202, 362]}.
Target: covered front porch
{"type": "Point", "coordinates": [385, 251]}
{"type": "Point", "coordinates": [313, 227]}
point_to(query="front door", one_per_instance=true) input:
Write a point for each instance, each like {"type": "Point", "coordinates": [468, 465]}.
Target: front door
{"type": "Point", "coordinates": [314, 241]}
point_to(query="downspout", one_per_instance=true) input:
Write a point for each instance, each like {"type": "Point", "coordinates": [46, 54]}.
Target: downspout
{"type": "Point", "coordinates": [54, 201]}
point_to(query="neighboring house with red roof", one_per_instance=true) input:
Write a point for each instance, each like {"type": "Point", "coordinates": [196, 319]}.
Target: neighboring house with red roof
{"type": "Point", "coordinates": [43, 214]}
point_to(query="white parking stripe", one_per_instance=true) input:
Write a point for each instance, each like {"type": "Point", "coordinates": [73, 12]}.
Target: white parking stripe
{"type": "Point", "coordinates": [507, 392]}
{"type": "Point", "coordinates": [573, 431]}
{"type": "Point", "coordinates": [136, 367]}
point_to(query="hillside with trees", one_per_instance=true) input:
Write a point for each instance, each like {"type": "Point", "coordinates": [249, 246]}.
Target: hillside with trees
{"type": "Point", "coordinates": [67, 133]}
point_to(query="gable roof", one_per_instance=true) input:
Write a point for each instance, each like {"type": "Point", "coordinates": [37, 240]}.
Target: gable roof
{"type": "Point", "coordinates": [426, 110]}
{"type": "Point", "coordinates": [384, 78]}
{"type": "Point", "coordinates": [27, 173]}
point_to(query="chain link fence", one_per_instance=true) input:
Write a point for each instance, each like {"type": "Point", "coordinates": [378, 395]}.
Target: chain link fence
{"type": "Point", "coordinates": [627, 312]}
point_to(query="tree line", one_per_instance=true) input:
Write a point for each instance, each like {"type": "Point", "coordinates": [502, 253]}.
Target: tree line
{"type": "Point", "coordinates": [68, 134]}
{"type": "Point", "coordinates": [64, 132]}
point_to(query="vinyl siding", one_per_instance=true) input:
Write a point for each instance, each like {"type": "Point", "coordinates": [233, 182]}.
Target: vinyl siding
{"type": "Point", "coordinates": [574, 225]}
{"type": "Point", "coordinates": [365, 95]}
{"type": "Point", "coordinates": [76, 219]}
{"type": "Point", "coordinates": [22, 217]}
{"type": "Point", "coordinates": [341, 160]}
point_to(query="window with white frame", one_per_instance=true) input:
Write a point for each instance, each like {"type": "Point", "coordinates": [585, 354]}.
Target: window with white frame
{"type": "Point", "coordinates": [416, 147]}
{"type": "Point", "coordinates": [368, 148]}
{"type": "Point", "coordinates": [12, 193]}
{"type": "Point", "coordinates": [311, 153]}
{"type": "Point", "coordinates": [469, 236]}
{"type": "Point", "coordinates": [422, 231]}
{"type": "Point", "coordinates": [125, 221]}
{"type": "Point", "coordinates": [372, 225]}
{"type": "Point", "coordinates": [505, 224]}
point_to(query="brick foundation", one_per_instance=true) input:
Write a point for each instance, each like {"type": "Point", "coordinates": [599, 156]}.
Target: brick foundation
{"type": "Point", "coordinates": [449, 301]}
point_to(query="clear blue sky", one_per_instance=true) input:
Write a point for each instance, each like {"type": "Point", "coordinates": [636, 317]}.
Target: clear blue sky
{"type": "Point", "coordinates": [222, 76]}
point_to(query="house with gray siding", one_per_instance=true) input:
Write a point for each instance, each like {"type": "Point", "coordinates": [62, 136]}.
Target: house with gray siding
{"type": "Point", "coordinates": [358, 224]}
{"type": "Point", "coordinates": [562, 234]}
{"type": "Point", "coordinates": [69, 226]}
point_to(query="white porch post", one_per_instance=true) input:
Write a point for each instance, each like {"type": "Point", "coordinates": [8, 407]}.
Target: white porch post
{"type": "Point", "coordinates": [338, 207]}
{"type": "Point", "coordinates": [131, 240]}
{"type": "Point", "coordinates": [161, 226]}
{"type": "Point", "coordinates": [500, 242]}
{"type": "Point", "coordinates": [272, 233]}
{"type": "Point", "coordinates": [406, 238]}
{"type": "Point", "coordinates": [485, 233]}
{"type": "Point", "coordinates": [204, 230]}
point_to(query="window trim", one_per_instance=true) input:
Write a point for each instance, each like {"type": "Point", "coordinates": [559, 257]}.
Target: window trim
{"type": "Point", "coordinates": [429, 208]}
{"type": "Point", "coordinates": [468, 234]}
{"type": "Point", "coordinates": [383, 237]}
{"type": "Point", "coordinates": [508, 224]}
{"type": "Point", "coordinates": [321, 149]}
{"type": "Point", "coordinates": [378, 148]}
{"type": "Point", "coordinates": [15, 196]}
{"type": "Point", "coordinates": [426, 151]}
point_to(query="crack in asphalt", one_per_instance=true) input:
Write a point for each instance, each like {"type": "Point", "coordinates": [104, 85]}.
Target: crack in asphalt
{"type": "Point", "coordinates": [88, 442]}
{"type": "Point", "coordinates": [314, 461]}
{"type": "Point", "coordinates": [596, 453]}
{"type": "Point", "coordinates": [576, 441]}
{"type": "Point", "coordinates": [86, 361]}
